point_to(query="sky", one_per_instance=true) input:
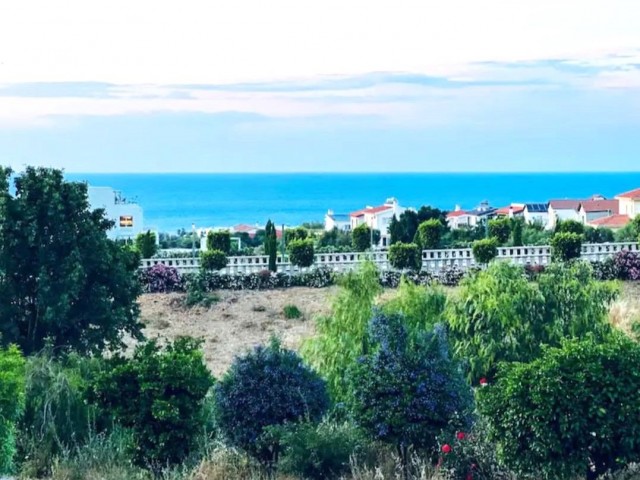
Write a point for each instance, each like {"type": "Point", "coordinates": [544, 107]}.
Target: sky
{"type": "Point", "coordinates": [308, 85]}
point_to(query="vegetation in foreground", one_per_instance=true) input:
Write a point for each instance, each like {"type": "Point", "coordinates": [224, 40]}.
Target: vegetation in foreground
{"type": "Point", "coordinates": [516, 375]}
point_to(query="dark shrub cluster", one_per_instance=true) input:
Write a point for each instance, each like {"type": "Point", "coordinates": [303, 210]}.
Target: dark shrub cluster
{"type": "Point", "coordinates": [627, 265]}
{"type": "Point", "coordinates": [160, 279]}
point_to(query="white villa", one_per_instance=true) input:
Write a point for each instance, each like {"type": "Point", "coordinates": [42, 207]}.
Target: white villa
{"type": "Point", "coordinates": [629, 203]}
{"type": "Point", "coordinates": [537, 213]}
{"type": "Point", "coordinates": [378, 218]}
{"type": "Point", "coordinates": [466, 219]}
{"type": "Point", "coordinates": [341, 221]}
{"type": "Point", "coordinates": [126, 215]}
{"type": "Point", "coordinates": [561, 210]}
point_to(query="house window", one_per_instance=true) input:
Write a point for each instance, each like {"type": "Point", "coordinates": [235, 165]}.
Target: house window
{"type": "Point", "coordinates": [126, 220]}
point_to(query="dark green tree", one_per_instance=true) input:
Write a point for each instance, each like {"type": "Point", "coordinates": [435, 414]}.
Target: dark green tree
{"type": "Point", "coordinates": [297, 233]}
{"type": "Point", "coordinates": [566, 246]}
{"type": "Point", "coordinates": [500, 229]}
{"type": "Point", "coordinates": [569, 226]}
{"type": "Point", "coordinates": [361, 238]}
{"type": "Point", "coordinates": [395, 231]}
{"type": "Point", "coordinates": [516, 232]}
{"type": "Point", "coordinates": [409, 222]}
{"type": "Point", "coordinates": [427, 212]}
{"type": "Point", "coordinates": [271, 245]}
{"type": "Point", "coordinates": [301, 252]}
{"type": "Point", "coordinates": [219, 241]}
{"type": "Point", "coordinates": [61, 278]}
{"type": "Point", "coordinates": [146, 244]}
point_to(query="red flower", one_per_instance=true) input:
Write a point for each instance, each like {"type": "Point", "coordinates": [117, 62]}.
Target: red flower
{"type": "Point", "coordinates": [460, 435]}
{"type": "Point", "coordinates": [483, 382]}
{"type": "Point", "coordinates": [469, 476]}
{"type": "Point", "coordinates": [446, 448]}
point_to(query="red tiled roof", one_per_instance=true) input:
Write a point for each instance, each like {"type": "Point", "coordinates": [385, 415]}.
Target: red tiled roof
{"type": "Point", "coordinates": [565, 204]}
{"type": "Point", "coordinates": [600, 206]}
{"type": "Point", "coordinates": [456, 213]}
{"type": "Point", "coordinates": [381, 208]}
{"type": "Point", "coordinates": [512, 208]}
{"type": "Point", "coordinates": [244, 228]}
{"type": "Point", "coordinates": [615, 221]}
{"type": "Point", "coordinates": [633, 194]}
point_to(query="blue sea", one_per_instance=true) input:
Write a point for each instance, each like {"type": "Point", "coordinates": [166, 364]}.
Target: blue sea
{"type": "Point", "coordinates": [174, 201]}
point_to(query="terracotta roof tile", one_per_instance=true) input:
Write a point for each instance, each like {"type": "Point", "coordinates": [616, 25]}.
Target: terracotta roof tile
{"type": "Point", "coordinates": [600, 206]}
{"type": "Point", "coordinates": [633, 194]}
{"type": "Point", "coordinates": [565, 204]}
{"type": "Point", "coordinates": [616, 221]}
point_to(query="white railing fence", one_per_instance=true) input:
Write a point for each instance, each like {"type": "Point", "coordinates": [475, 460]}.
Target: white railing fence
{"type": "Point", "coordinates": [432, 260]}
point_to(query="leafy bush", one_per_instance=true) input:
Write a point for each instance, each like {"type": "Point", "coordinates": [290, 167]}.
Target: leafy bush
{"type": "Point", "coordinates": [341, 335]}
{"type": "Point", "coordinates": [485, 250]}
{"type": "Point", "coordinates": [220, 240]}
{"type": "Point", "coordinates": [533, 271]}
{"type": "Point", "coordinates": [146, 244]}
{"type": "Point", "coordinates": [291, 312]}
{"type": "Point", "coordinates": [405, 256]}
{"type": "Point", "coordinates": [392, 278]}
{"type": "Point", "coordinates": [421, 307]}
{"type": "Point", "coordinates": [605, 269]}
{"type": "Point", "coordinates": [450, 276]}
{"type": "Point", "coordinates": [213, 260]}
{"type": "Point", "coordinates": [196, 296]}
{"type": "Point", "coordinates": [500, 229]}
{"type": "Point", "coordinates": [301, 252]}
{"type": "Point", "coordinates": [573, 411]}
{"type": "Point", "coordinates": [361, 238]}
{"type": "Point", "coordinates": [627, 265]}
{"type": "Point", "coordinates": [566, 246]}
{"type": "Point", "coordinates": [320, 451]}
{"type": "Point", "coordinates": [569, 226]}
{"type": "Point", "coordinates": [598, 235]}
{"type": "Point", "coordinates": [267, 387]}
{"type": "Point", "coordinates": [298, 233]}
{"type": "Point", "coordinates": [430, 233]}
{"type": "Point", "coordinates": [160, 279]}
{"type": "Point", "coordinates": [516, 233]}
{"type": "Point", "coordinates": [407, 392]}
{"type": "Point", "coordinates": [12, 397]}
{"type": "Point", "coordinates": [56, 418]}
{"type": "Point", "coordinates": [159, 394]}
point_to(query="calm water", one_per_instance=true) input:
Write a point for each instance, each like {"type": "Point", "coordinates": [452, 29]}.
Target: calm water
{"type": "Point", "coordinates": [173, 201]}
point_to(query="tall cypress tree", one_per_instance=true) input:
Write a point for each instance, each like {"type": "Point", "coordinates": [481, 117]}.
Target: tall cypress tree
{"type": "Point", "coordinates": [271, 244]}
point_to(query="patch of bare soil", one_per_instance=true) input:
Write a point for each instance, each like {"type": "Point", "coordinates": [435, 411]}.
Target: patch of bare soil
{"type": "Point", "coordinates": [236, 323]}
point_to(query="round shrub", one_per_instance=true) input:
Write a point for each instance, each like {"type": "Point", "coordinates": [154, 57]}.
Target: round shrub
{"type": "Point", "coordinates": [485, 250]}
{"type": "Point", "coordinates": [267, 387]}
{"type": "Point", "coordinates": [301, 252]}
{"type": "Point", "coordinates": [213, 260]}
{"type": "Point", "coordinates": [160, 279]}
{"type": "Point", "coordinates": [430, 233]}
{"type": "Point", "coordinates": [500, 229]}
{"type": "Point", "coordinates": [361, 238]}
{"type": "Point", "coordinates": [219, 241]}
{"type": "Point", "coordinates": [566, 246]}
{"type": "Point", "coordinates": [407, 389]}
{"type": "Point", "coordinates": [574, 411]}
{"type": "Point", "coordinates": [405, 256]}
{"type": "Point", "coordinates": [569, 226]}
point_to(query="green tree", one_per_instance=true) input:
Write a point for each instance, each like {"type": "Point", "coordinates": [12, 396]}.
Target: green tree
{"type": "Point", "coordinates": [569, 226]}
{"type": "Point", "coordinates": [12, 399]}
{"type": "Point", "coordinates": [213, 260]}
{"type": "Point", "coordinates": [405, 256]}
{"type": "Point", "coordinates": [598, 235]}
{"type": "Point", "coordinates": [516, 233]}
{"type": "Point", "coordinates": [427, 212]}
{"type": "Point", "coordinates": [271, 245]}
{"type": "Point", "coordinates": [361, 237]}
{"type": "Point", "coordinates": [500, 229]}
{"type": "Point", "coordinates": [430, 234]}
{"type": "Point", "coordinates": [301, 252]}
{"type": "Point", "coordinates": [574, 411]}
{"type": "Point", "coordinates": [219, 240]}
{"type": "Point", "coordinates": [297, 233]}
{"type": "Point", "coordinates": [422, 307]}
{"type": "Point", "coordinates": [566, 246]}
{"type": "Point", "coordinates": [395, 231]}
{"type": "Point", "coordinates": [159, 393]}
{"type": "Point", "coordinates": [485, 250]}
{"type": "Point", "coordinates": [409, 222]}
{"type": "Point", "coordinates": [630, 232]}
{"type": "Point", "coordinates": [146, 244]}
{"type": "Point", "coordinates": [341, 334]}
{"type": "Point", "coordinates": [62, 278]}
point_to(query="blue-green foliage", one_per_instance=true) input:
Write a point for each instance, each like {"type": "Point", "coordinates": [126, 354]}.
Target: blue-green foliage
{"type": "Point", "coordinates": [407, 392]}
{"type": "Point", "coordinates": [267, 387]}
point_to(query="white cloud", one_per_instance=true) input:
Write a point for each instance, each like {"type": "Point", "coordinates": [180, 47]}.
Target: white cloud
{"type": "Point", "coordinates": [204, 41]}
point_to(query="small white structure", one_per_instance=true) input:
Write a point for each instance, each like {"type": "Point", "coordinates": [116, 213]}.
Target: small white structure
{"type": "Point", "coordinates": [562, 210]}
{"type": "Point", "coordinates": [378, 218]}
{"type": "Point", "coordinates": [341, 221]}
{"type": "Point", "coordinates": [458, 219]}
{"type": "Point", "coordinates": [629, 203]}
{"type": "Point", "coordinates": [127, 216]}
{"type": "Point", "coordinates": [537, 213]}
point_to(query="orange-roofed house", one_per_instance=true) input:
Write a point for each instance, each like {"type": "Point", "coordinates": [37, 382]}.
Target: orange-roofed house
{"type": "Point", "coordinates": [629, 203]}
{"type": "Point", "coordinates": [591, 210]}
{"type": "Point", "coordinates": [613, 222]}
{"type": "Point", "coordinates": [512, 211]}
{"type": "Point", "coordinates": [378, 218]}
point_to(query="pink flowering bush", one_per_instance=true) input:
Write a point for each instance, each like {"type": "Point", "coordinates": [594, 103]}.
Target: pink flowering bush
{"type": "Point", "coordinates": [160, 279]}
{"type": "Point", "coordinates": [627, 265]}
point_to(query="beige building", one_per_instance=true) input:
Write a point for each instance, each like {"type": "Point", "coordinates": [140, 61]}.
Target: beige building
{"type": "Point", "coordinates": [629, 203]}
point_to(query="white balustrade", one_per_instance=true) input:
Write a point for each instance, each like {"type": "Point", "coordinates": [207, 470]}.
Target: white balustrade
{"type": "Point", "coordinates": [432, 260]}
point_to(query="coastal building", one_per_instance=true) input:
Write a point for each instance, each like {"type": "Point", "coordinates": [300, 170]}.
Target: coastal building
{"type": "Point", "coordinates": [515, 210]}
{"type": "Point", "coordinates": [126, 215]}
{"type": "Point", "coordinates": [378, 218]}
{"type": "Point", "coordinates": [537, 213]}
{"type": "Point", "coordinates": [458, 218]}
{"type": "Point", "coordinates": [561, 210]}
{"type": "Point", "coordinates": [471, 218]}
{"type": "Point", "coordinates": [613, 222]}
{"type": "Point", "coordinates": [341, 221]}
{"type": "Point", "coordinates": [597, 207]}
{"type": "Point", "coordinates": [629, 203]}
